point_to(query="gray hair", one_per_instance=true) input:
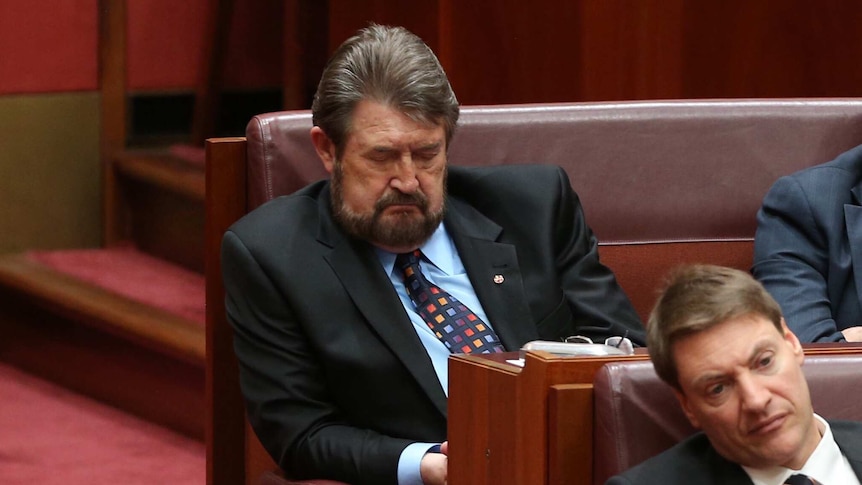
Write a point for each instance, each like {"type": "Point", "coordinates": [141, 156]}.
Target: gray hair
{"type": "Point", "coordinates": [389, 65]}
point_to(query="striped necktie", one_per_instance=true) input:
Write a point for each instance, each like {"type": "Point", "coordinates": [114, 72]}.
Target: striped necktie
{"type": "Point", "coordinates": [451, 321]}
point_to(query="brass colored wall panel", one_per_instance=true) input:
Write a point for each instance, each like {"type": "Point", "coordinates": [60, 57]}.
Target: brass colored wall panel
{"type": "Point", "coordinates": [49, 171]}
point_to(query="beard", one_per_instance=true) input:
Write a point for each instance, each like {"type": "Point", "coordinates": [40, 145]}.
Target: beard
{"type": "Point", "coordinates": [405, 229]}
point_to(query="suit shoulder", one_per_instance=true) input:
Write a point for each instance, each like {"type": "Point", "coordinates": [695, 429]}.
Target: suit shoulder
{"type": "Point", "coordinates": [508, 178]}
{"type": "Point", "coordinates": [843, 171]}
{"type": "Point", "coordinates": [293, 209]}
{"type": "Point", "coordinates": [659, 465]}
{"type": "Point", "coordinates": [513, 170]}
{"type": "Point", "coordinates": [852, 428]}
{"type": "Point", "coordinates": [690, 461]}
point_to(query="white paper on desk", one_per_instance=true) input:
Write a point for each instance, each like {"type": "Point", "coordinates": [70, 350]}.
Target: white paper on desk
{"type": "Point", "coordinates": [571, 348]}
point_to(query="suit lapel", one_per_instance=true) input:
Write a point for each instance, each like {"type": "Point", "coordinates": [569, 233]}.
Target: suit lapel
{"type": "Point", "coordinates": [853, 222]}
{"type": "Point", "coordinates": [847, 436]}
{"type": "Point", "coordinates": [718, 469]}
{"type": "Point", "coordinates": [356, 265]}
{"type": "Point", "coordinates": [494, 273]}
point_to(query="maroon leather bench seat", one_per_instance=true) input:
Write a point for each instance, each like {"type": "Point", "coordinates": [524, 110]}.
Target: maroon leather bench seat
{"type": "Point", "coordinates": [662, 182]}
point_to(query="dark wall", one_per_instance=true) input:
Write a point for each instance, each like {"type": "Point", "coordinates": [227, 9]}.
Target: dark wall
{"type": "Point", "coordinates": [511, 51]}
{"type": "Point", "coordinates": [495, 51]}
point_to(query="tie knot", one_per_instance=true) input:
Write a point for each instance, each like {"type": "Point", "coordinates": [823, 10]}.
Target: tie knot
{"type": "Point", "coordinates": [800, 479]}
{"type": "Point", "coordinates": [405, 260]}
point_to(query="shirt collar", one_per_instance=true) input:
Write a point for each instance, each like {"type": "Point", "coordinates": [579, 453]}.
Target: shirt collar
{"type": "Point", "coordinates": [819, 466]}
{"type": "Point", "coordinates": [438, 249]}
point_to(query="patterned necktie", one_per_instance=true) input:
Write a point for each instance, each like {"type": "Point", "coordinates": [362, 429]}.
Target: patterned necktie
{"type": "Point", "coordinates": [800, 479]}
{"type": "Point", "coordinates": [453, 323]}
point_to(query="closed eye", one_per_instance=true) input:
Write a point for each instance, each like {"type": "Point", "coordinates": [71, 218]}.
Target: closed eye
{"type": "Point", "coordinates": [426, 155]}
{"type": "Point", "coordinates": [381, 154]}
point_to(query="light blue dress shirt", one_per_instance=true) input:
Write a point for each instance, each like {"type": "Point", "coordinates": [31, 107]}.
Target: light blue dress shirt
{"type": "Point", "coordinates": [442, 266]}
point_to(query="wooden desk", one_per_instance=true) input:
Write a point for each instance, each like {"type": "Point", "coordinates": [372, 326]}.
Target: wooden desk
{"type": "Point", "coordinates": [512, 425]}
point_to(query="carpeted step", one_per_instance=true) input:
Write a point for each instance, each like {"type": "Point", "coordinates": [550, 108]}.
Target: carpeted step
{"type": "Point", "coordinates": [51, 435]}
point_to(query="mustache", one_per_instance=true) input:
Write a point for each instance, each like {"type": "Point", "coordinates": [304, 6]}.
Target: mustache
{"type": "Point", "coordinates": [400, 198]}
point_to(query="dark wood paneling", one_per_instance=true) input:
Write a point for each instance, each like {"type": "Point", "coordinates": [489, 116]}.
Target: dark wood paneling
{"type": "Point", "coordinates": [630, 50]}
{"type": "Point", "coordinates": [771, 49]}
{"type": "Point", "coordinates": [348, 16]}
{"type": "Point", "coordinates": [225, 411]}
{"type": "Point", "coordinates": [510, 51]}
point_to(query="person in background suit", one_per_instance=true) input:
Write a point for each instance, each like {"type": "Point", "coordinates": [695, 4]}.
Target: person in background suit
{"type": "Point", "coordinates": [718, 339]}
{"type": "Point", "coordinates": [808, 249]}
{"type": "Point", "coordinates": [343, 377]}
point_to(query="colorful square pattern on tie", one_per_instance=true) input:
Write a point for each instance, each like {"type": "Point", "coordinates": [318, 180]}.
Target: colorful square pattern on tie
{"type": "Point", "coordinates": [452, 322]}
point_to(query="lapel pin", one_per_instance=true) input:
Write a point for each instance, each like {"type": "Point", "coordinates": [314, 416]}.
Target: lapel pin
{"type": "Point", "coordinates": [498, 278]}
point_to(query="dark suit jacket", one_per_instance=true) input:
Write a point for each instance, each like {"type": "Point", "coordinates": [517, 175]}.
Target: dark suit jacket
{"type": "Point", "coordinates": [335, 378]}
{"type": "Point", "coordinates": [695, 461]}
{"type": "Point", "coordinates": [808, 247]}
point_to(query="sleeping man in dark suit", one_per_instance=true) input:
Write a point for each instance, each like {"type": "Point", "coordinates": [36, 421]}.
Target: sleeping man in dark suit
{"type": "Point", "coordinates": [808, 249]}
{"type": "Point", "coordinates": [343, 375]}
{"type": "Point", "coordinates": [718, 339]}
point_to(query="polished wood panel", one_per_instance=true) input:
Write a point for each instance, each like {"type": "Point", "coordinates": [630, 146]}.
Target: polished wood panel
{"type": "Point", "coordinates": [630, 50]}
{"type": "Point", "coordinates": [570, 406]}
{"type": "Point", "coordinates": [348, 16]}
{"type": "Point", "coordinates": [771, 49]}
{"type": "Point", "coordinates": [211, 73]}
{"type": "Point", "coordinates": [510, 51]}
{"type": "Point", "coordinates": [225, 411]}
{"type": "Point", "coordinates": [500, 416]}
{"type": "Point", "coordinates": [112, 81]}
{"type": "Point", "coordinates": [642, 269]}
{"type": "Point", "coordinates": [488, 383]}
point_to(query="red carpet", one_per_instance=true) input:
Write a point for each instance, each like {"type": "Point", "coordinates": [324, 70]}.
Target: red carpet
{"type": "Point", "coordinates": [135, 275]}
{"type": "Point", "coordinates": [49, 435]}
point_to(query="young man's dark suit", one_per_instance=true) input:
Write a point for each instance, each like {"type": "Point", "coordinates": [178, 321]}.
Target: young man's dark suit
{"type": "Point", "coordinates": [808, 247]}
{"type": "Point", "coordinates": [695, 461]}
{"type": "Point", "coordinates": [336, 380]}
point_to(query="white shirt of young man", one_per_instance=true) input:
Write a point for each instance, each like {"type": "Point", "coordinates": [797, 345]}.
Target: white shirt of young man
{"type": "Point", "coordinates": [827, 465]}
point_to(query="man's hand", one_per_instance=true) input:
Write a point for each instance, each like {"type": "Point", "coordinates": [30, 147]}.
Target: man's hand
{"type": "Point", "coordinates": [434, 466]}
{"type": "Point", "coordinates": [853, 334]}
